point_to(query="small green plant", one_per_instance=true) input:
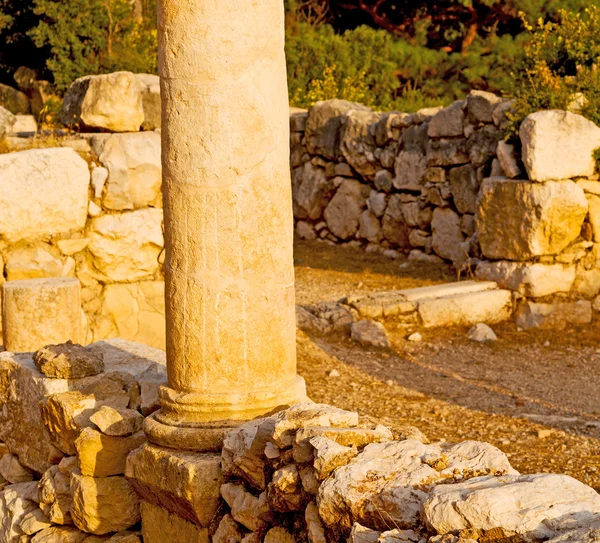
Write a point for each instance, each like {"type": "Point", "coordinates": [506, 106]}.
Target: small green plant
{"type": "Point", "coordinates": [597, 159]}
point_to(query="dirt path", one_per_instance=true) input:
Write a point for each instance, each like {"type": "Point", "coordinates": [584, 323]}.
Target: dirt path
{"type": "Point", "coordinates": [536, 395]}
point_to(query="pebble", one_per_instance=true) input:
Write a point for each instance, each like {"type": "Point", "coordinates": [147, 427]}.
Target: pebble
{"type": "Point", "coordinates": [482, 333]}
{"type": "Point", "coordinates": [416, 337]}
{"type": "Point", "coordinates": [334, 373]}
{"type": "Point", "coordinates": [546, 344]}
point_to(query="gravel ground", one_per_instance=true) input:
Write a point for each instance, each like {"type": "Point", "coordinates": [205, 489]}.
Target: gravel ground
{"type": "Point", "coordinates": [533, 394]}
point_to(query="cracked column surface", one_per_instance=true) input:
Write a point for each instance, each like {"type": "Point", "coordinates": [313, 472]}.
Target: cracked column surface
{"type": "Point", "coordinates": [230, 308]}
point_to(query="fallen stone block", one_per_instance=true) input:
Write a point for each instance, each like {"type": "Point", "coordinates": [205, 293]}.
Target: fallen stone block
{"type": "Point", "coordinates": [250, 511]}
{"type": "Point", "coordinates": [117, 422]}
{"type": "Point", "coordinates": [103, 504]}
{"type": "Point", "coordinates": [55, 496]}
{"type": "Point", "coordinates": [16, 502]}
{"type": "Point", "coordinates": [68, 361]}
{"type": "Point", "coordinates": [553, 315]}
{"type": "Point", "coordinates": [13, 471]}
{"type": "Point", "coordinates": [34, 522]}
{"type": "Point", "coordinates": [159, 525]}
{"type": "Point", "coordinates": [370, 333]}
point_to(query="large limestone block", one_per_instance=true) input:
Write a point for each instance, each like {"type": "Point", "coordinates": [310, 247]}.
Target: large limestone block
{"type": "Point", "coordinates": [16, 502]}
{"type": "Point", "coordinates": [324, 124]}
{"type": "Point", "coordinates": [343, 212]}
{"type": "Point", "coordinates": [530, 280]}
{"type": "Point", "coordinates": [490, 307]}
{"type": "Point", "coordinates": [187, 484]}
{"type": "Point", "coordinates": [357, 142]}
{"type": "Point", "coordinates": [110, 102]}
{"type": "Point", "coordinates": [68, 361]}
{"type": "Point", "coordinates": [311, 191]}
{"type": "Point", "coordinates": [126, 246]}
{"type": "Point", "coordinates": [39, 312]}
{"type": "Point", "coordinates": [55, 495]}
{"type": "Point", "coordinates": [447, 233]}
{"type": "Point", "coordinates": [160, 525]}
{"type": "Point", "coordinates": [100, 455]}
{"type": "Point", "coordinates": [150, 88]}
{"type": "Point", "coordinates": [530, 505]}
{"type": "Point", "coordinates": [43, 192]}
{"type": "Point", "coordinates": [553, 316]}
{"type": "Point", "coordinates": [519, 220]}
{"type": "Point", "coordinates": [135, 173]}
{"type": "Point", "coordinates": [449, 122]}
{"type": "Point", "coordinates": [117, 422]}
{"type": "Point", "coordinates": [395, 477]}
{"type": "Point", "coordinates": [7, 121]}
{"type": "Point", "coordinates": [103, 504]}
{"type": "Point", "coordinates": [558, 145]}
{"type": "Point", "coordinates": [135, 312]}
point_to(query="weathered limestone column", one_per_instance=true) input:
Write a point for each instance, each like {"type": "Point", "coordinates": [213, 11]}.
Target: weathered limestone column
{"type": "Point", "coordinates": [39, 312]}
{"type": "Point", "coordinates": [230, 305]}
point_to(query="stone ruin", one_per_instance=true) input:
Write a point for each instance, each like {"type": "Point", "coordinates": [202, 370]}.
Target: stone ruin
{"type": "Point", "coordinates": [215, 440]}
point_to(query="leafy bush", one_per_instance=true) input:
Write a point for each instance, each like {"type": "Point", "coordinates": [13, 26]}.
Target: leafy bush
{"type": "Point", "coordinates": [560, 70]}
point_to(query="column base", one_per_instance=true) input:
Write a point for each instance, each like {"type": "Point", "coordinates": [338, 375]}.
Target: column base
{"type": "Point", "coordinates": [199, 422]}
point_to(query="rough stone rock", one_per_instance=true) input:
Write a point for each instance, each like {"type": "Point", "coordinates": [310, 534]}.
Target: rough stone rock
{"type": "Point", "coordinates": [68, 361]}
{"type": "Point", "coordinates": [558, 145]}
{"type": "Point", "coordinates": [149, 86]}
{"type": "Point", "coordinates": [480, 106]}
{"type": "Point", "coordinates": [553, 316]}
{"type": "Point", "coordinates": [103, 504]}
{"type": "Point", "coordinates": [13, 471]}
{"type": "Point", "coordinates": [135, 172]}
{"type": "Point", "coordinates": [448, 122]}
{"type": "Point", "coordinates": [396, 476]}
{"type": "Point", "coordinates": [588, 534]}
{"type": "Point", "coordinates": [447, 152]}
{"type": "Point", "coordinates": [55, 496]}
{"type": "Point", "coordinates": [464, 187]}
{"type": "Point", "coordinates": [482, 333]}
{"type": "Point", "coordinates": [482, 144]}
{"type": "Point", "coordinates": [311, 191]}
{"type": "Point", "coordinates": [324, 124]}
{"type": "Point", "coordinates": [250, 511]}
{"type": "Point", "coordinates": [133, 311]}
{"type": "Point", "coordinates": [25, 125]}
{"type": "Point", "coordinates": [530, 505]}
{"type": "Point", "coordinates": [377, 203]}
{"type": "Point", "coordinates": [329, 455]}
{"type": "Point", "coordinates": [100, 455]}
{"type": "Point", "coordinates": [314, 526]}
{"type": "Point", "coordinates": [14, 100]}
{"type": "Point", "coordinates": [508, 161]}
{"type": "Point", "coordinates": [529, 279]}
{"type": "Point", "coordinates": [305, 230]}
{"type": "Point", "coordinates": [394, 227]}
{"type": "Point", "coordinates": [370, 333]}
{"type": "Point", "coordinates": [7, 121]}
{"type": "Point", "coordinates": [402, 536]}
{"type": "Point", "coordinates": [544, 218]}
{"type": "Point", "coordinates": [110, 102]}
{"type": "Point", "coordinates": [285, 492]}
{"type": "Point", "coordinates": [126, 246]}
{"type": "Point", "coordinates": [228, 531]}
{"type": "Point", "coordinates": [160, 526]}
{"type": "Point", "coordinates": [188, 484]}
{"type": "Point", "coordinates": [45, 192]}
{"type": "Point", "coordinates": [362, 534]}
{"type": "Point", "coordinates": [279, 535]}
{"type": "Point", "coordinates": [357, 143]}
{"type": "Point", "coordinates": [36, 261]}
{"type": "Point", "coordinates": [117, 422]}
{"type": "Point", "coordinates": [72, 246]}
{"type": "Point", "coordinates": [384, 180]}
{"type": "Point", "coordinates": [34, 521]}
{"type": "Point", "coordinates": [56, 534]}
{"type": "Point", "coordinates": [16, 501]}
{"type": "Point", "coordinates": [411, 169]}
{"type": "Point", "coordinates": [587, 282]}
{"type": "Point", "coordinates": [308, 322]}
{"type": "Point", "coordinates": [342, 214]}
{"type": "Point", "coordinates": [447, 234]}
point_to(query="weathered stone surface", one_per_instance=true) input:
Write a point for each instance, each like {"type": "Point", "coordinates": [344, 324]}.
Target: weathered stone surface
{"type": "Point", "coordinates": [587, 282]}
{"type": "Point", "coordinates": [103, 504]}
{"type": "Point", "coordinates": [482, 144]}
{"type": "Point", "coordinates": [135, 172]}
{"type": "Point", "coordinates": [100, 455]}
{"type": "Point", "coordinates": [447, 233]}
{"type": "Point", "coordinates": [314, 526]}
{"type": "Point", "coordinates": [447, 152]}
{"type": "Point", "coordinates": [149, 85]}
{"type": "Point", "coordinates": [480, 106]}
{"type": "Point", "coordinates": [329, 455]}
{"type": "Point", "coordinates": [7, 121]}
{"type": "Point", "coordinates": [369, 227]}
{"type": "Point", "coordinates": [357, 143]}
{"type": "Point", "coordinates": [362, 534]}
{"type": "Point", "coordinates": [126, 247]}
{"type": "Point", "coordinates": [110, 102]}
{"type": "Point", "coordinates": [508, 161]}
{"type": "Point", "coordinates": [324, 125]}
{"type": "Point", "coordinates": [490, 306]}
{"type": "Point", "coordinates": [25, 125]}
{"type": "Point", "coordinates": [543, 219]}
{"type": "Point", "coordinates": [72, 246]}
{"type": "Point", "coordinates": [530, 280]}
{"type": "Point", "coordinates": [464, 187]}
{"type": "Point", "coordinates": [448, 122]}
{"type": "Point", "coordinates": [305, 230]}
{"type": "Point", "coordinates": [411, 169]}
{"type": "Point", "coordinates": [133, 311]}
{"type": "Point", "coordinates": [34, 522]}
{"type": "Point", "coordinates": [56, 534]}
{"type": "Point", "coordinates": [370, 333]}
{"type": "Point", "coordinates": [68, 361]}
{"type": "Point", "coordinates": [531, 505]}
{"type": "Point", "coordinates": [13, 471]}
{"type": "Point", "coordinates": [228, 531]}
{"type": "Point", "coordinates": [558, 145]}
{"type": "Point", "coordinates": [14, 100]}
{"type": "Point", "coordinates": [188, 484]}
{"type": "Point", "coordinates": [588, 534]}
{"type": "Point", "coordinates": [594, 215]}
{"type": "Point", "coordinates": [36, 261]}
{"type": "Point", "coordinates": [160, 525]}
{"type": "Point", "coordinates": [279, 535]}
{"type": "Point", "coordinates": [482, 333]}
{"type": "Point", "coordinates": [394, 227]}
{"type": "Point", "coordinates": [55, 496]}
{"type": "Point", "coordinates": [342, 214]}
{"type": "Point", "coordinates": [395, 477]}
{"type": "Point", "coordinates": [117, 422]}
{"type": "Point", "coordinates": [44, 192]}
{"type": "Point", "coordinates": [553, 315]}
{"type": "Point", "coordinates": [311, 191]}
{"type": "Point", "coordinates": [250, 511]}
{"type": "Point", "coordinates": [16, 501]}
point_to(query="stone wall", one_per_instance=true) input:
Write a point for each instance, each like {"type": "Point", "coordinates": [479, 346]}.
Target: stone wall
{"type": "Point", "coordinates": [440, 184]}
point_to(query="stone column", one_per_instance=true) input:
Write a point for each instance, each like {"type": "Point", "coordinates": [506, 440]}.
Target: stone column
{"type": "Point", "coordinates": [230, 305]}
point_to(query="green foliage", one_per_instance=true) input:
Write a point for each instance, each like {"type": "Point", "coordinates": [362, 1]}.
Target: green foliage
{"type": "Point", "coordinates": [560, 69]}
{"type": "Point", "coordinates": [93, 36]}
{"type": "Point", "coordinates": [597, 159]}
